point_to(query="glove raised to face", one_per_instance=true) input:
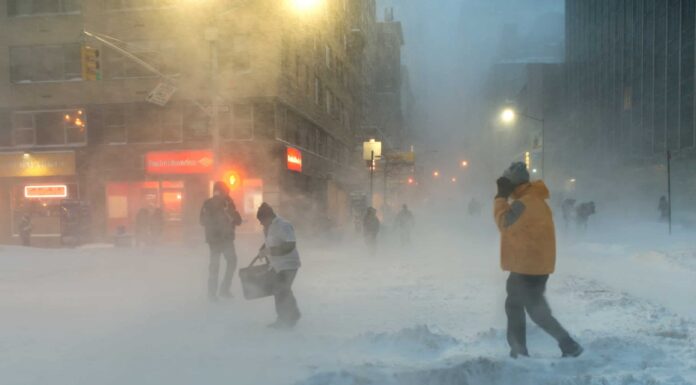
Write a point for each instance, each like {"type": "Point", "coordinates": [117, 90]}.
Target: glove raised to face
{"type": "Point", "coordinates": [505, 187]}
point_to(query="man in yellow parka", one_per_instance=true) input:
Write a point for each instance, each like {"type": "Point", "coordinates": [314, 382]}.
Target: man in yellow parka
{"type": "Point", "coordinates": [528, 252]}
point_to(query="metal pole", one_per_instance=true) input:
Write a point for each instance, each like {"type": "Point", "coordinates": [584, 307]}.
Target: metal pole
{"type": "Point", "coordinates": [669, 190]}
{"type": "Point", "coordinates": [211, 36]}
{"type": "Point", "coordinates": [372, 175]}
{"type": "Point", "coordinates": [543, 147]}
{"type": "Point", "coordinates": [386, 169]}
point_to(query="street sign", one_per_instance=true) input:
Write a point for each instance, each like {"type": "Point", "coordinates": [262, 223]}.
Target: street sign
{"type": "Point", "coordinates": [46, 191]}
{"type": "Point", "coordinates": [406, 157]}
{"type": "Point", "coordinates": [294, 159]}
{"type": "Point", "coordinates": [372, 150]}
{"type": "Point", "coordinates": [161, 94]}
{"type": "Point", "coordinates": [179, 162]}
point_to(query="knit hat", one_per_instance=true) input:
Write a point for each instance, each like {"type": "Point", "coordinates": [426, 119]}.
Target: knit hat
{"type": "Point", "coordinates": [517, 173]}
{"type": "Point", "coordinates": [265, 211]}
{"type": "Point", "coordinates": [222, 187]}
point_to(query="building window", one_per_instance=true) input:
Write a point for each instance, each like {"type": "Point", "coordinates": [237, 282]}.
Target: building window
{"type": "Point", "coordinates": [137, 4]}
{"type": "Point", "coordinates": [142, 123]}
{"type": "Point", "coordinates": [45, 63]}
{"type": "Point", "coordinates": [317, 91]}
{"type": "Point", "coordinates": [115, 125]}
{"type": "Point", "coordinates": [49, 128]}
{"type": "Point", "coordinates": [172, 122]}
{"type": "Point", "coordinates": [235, 53]}
{"type": "Point", "coordinates": [329, 102]}
{"type": "Point", "coordinates": [159, 54]}
{"type": "Point", "coordinates": [45, 213]}
{"type": "Point", "coordinates": [152, 124]}
{"type": "Point", "coordinates": [41, 7]}
{"type": "Point", "coordinates": [307, 81]}
{"type": "Point", "coordinates": [238, 124]}
{"type": "Point", "coordinates": [329, 57]}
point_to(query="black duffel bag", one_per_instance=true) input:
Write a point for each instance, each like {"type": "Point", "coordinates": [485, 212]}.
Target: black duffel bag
{"type": "Point", "coordinates": [257, 280]}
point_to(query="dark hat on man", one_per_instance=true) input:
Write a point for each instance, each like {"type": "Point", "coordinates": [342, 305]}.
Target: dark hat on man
{"type": "Point", "coordinates": [222, 187]}
{"type": "Point", "coordinates": [517, 173]}
{"type": "Point", "coordinates": [265, 211]}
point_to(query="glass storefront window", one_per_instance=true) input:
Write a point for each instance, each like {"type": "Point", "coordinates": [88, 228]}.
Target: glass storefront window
{"type": "Point", "coordinates": [44, 212]}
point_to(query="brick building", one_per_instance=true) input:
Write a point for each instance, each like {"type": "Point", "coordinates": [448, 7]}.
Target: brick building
{"type": "Point", "coordinates": [290, 91]}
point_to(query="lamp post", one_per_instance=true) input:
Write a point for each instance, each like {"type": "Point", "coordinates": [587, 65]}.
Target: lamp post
{"type": "Point", "coordinates": [669, 190]}
{"type": "Point", "coordinates": [509, 116]}
{"type": "Point", "coordinates": [372, 151]}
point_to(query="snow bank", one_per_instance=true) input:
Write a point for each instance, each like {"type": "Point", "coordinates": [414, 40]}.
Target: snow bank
{"type": "Point", "coordinates": [609, 361]}
{"type": "Point", "coordinates": [415, 341]}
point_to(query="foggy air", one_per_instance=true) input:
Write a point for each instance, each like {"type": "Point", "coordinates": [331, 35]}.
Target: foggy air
{"type": "Point", "coordinates": [347, 192]}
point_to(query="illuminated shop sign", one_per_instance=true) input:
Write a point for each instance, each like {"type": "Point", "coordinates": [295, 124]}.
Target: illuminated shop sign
{"type": "Point", "coordinates": [43, 192]}
{"type": "Point", "coordinates": [180, 162]}
{"type": "Point", "coordinates": [17, 164]}
{"type": "Point", "coordinates": [294, 159]}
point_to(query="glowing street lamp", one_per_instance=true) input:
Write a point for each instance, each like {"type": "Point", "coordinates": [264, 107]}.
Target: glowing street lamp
{"type": "Point", "coordinates": [372, 150]}
{"type": "Point", "coordinates": [436, 173]}
{"type": "Point", "coordinates": [465, 163]}
{"type": "Point", "coordinates": [304, 6]}
{"type": "Point", "coordinates": [454, 180]}
{"type": "Point", "coordinates": [508, 115]}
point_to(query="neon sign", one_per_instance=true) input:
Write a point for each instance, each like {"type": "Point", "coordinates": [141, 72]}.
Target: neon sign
{"type": "Point", "coordinates": [41, 192]}
{"type": "Point", "coordinates": [294, 159]}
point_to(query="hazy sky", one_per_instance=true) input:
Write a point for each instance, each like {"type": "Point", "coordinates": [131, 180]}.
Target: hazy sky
{"type": "Point", "coordinates": [450, 44]}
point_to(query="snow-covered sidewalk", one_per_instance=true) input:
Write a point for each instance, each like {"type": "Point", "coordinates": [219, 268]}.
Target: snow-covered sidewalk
{"type": "Point", "coordinates": [430, 314]}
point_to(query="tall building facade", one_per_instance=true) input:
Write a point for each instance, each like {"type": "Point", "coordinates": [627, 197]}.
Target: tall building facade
{"type": "Point", "coordinates": [284, 90]}
{"type": "Point", "coordinates": [630, 74]}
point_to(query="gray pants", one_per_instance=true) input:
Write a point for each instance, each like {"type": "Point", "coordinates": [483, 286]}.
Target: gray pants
{"type": "Point", "coordinates": [217, 250]}
{"type": "Point", "coordinates": [526, 292]}
{"type": "Point", "coordinates": [285, 302]}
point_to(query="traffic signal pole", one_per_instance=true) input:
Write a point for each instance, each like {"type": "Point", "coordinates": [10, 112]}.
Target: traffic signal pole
{"type": "Point", "coordinates": [140, 62]}
{"type": "Point", "coordinates": [211, 35]}
{"type": "Point", "coordinates": [669, 190]}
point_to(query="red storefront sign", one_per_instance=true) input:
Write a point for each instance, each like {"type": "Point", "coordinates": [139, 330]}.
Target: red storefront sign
{"type": "Point", "coordinates": [180, 162]}
{"type": "Point", "coordinates": [294, 159]}
{"type": "Point", "coordinates": [39, 192]}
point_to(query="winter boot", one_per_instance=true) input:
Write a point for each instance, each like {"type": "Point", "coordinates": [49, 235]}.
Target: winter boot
{"type": "Point", "coordinates": [514, 353]}
{"type": "Point", "coordinates": [570, 348]}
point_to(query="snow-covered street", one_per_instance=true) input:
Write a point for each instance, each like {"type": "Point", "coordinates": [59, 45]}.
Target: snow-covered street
{"type": "Point", "coordinates": [115, 316]}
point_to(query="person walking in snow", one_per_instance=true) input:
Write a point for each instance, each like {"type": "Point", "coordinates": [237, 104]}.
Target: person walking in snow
{"type": "Point", "coordinates": [404, 222]}
{"type": "Point", "coordinates": [567, 207]}
{"type": "Point", "coordinates": [663, 207]}
{"type": "Point", "coordinates": [220, 217]}
{"type": "Point", "coordinates": [528, 252]}
{"type": "Point", "coordinates": [280, 248]}
{"type": "Point", "coordinates": [156, 225]}
{"type": "Point", "coordinates": [25, 229]}
{"type": "Point", "coordinates": [583, 213]}
{"type": "Point", "coordinates": [371, 227]}
{"type": "Point", "coordinates": [142, 227]}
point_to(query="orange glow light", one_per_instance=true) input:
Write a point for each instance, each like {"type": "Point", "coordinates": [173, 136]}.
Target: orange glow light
{"type": "Point", "coordinates": [232, 178]}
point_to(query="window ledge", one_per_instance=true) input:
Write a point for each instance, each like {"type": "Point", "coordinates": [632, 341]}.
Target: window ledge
{"type": "Point", "coordinates": [42, 15]}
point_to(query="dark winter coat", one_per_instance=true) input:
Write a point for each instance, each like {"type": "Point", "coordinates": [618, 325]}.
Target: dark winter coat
{"type": "Point", "coordinates": [371, 225]}
{"type": "Point", "coordinates": [142, 223]}
{"type": "Point", "coordinates": [219, 217]}
{"type": "Point", "coordinates": [25, 227]}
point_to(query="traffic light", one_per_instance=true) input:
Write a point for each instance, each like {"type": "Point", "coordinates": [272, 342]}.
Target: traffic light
{"type": "Point", "coordinates": [91, 67]}
{"type": "Point", "coordinates": [232, 179]}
